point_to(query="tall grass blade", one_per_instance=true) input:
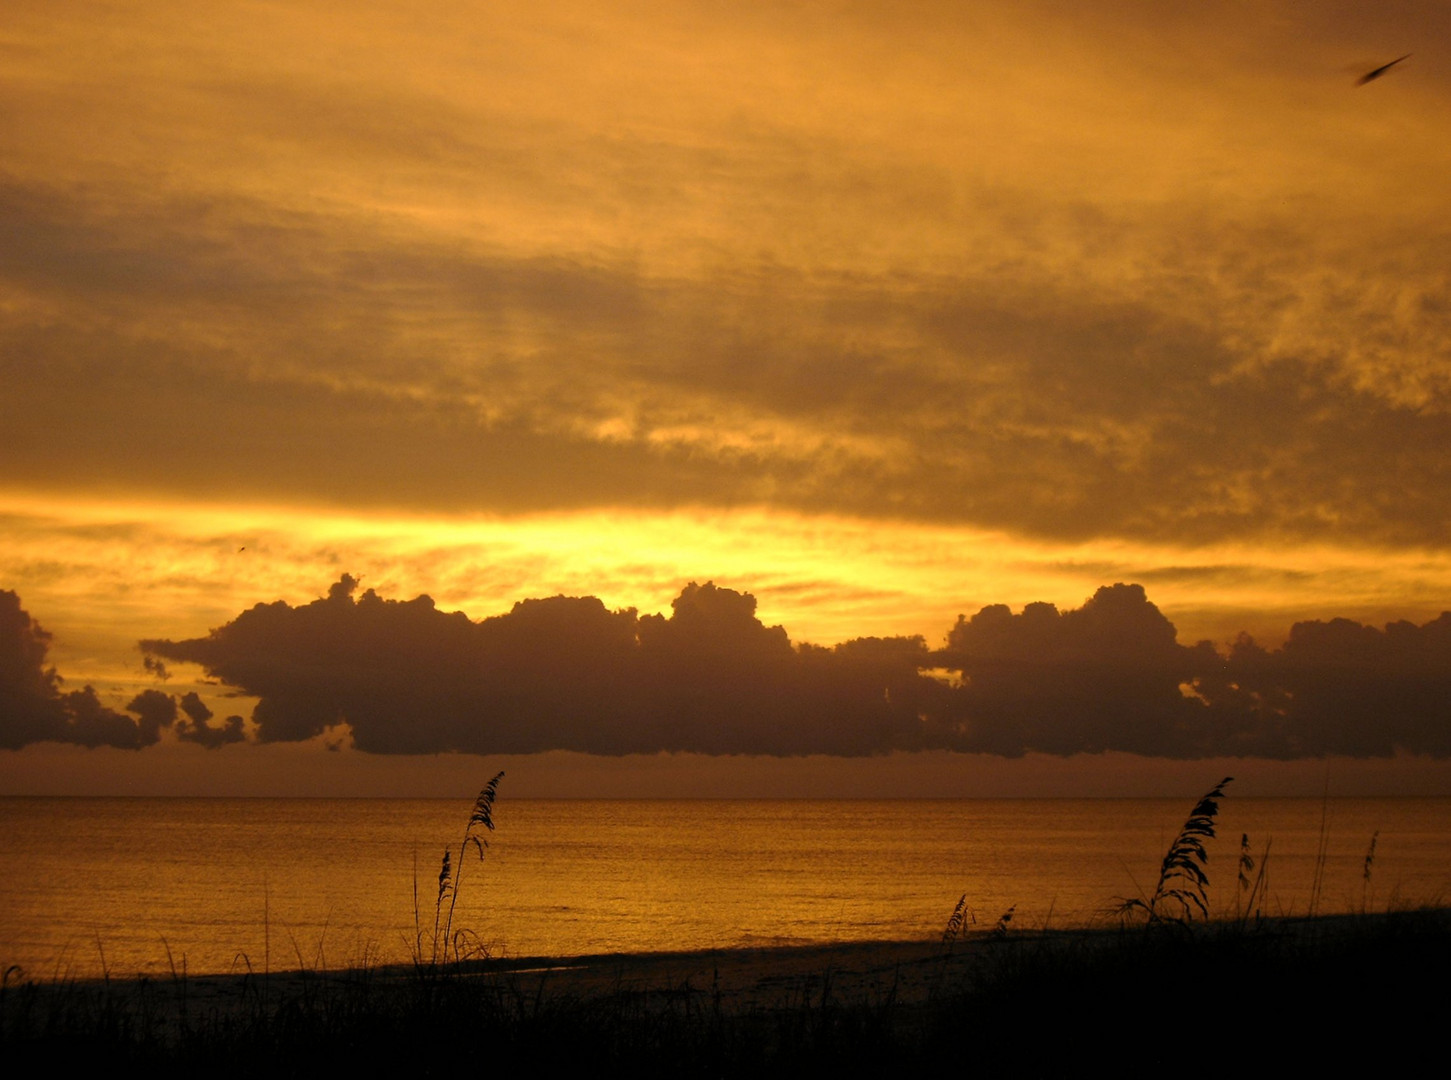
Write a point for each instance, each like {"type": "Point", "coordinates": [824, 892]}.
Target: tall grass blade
{"type": "Point", "coordinates": [1366, 870]}
{"type": "Point", "coordinates": [1322, 846]}
{"type": "Point", "coordinates": [1183, 879]}
{"type": "Point", "coordinates": [482, 815]}
{"type": "Point", "coordinates": [961, 915]}
{"type": "Point", "coordinates": [1000, 928]}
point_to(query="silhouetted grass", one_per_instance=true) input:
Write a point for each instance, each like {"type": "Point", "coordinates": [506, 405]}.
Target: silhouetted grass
{"type": "Point", "coordinates": [1183, 875]}
{"type": "Point", "coordinates": [1027, 1004]}
{"type": "Point", "coordinates": [447, 943]}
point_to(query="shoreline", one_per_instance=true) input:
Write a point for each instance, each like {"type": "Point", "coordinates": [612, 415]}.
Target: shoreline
{"type": "Point", "coordinates": [735, 979]}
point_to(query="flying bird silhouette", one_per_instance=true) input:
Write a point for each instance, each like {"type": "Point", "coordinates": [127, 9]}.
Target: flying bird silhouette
{"type": "Point", "coordinates": [1378, 72]}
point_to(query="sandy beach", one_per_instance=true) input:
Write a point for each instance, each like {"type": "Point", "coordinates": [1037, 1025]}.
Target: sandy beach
{"type": "Point", "coordinates": [740, 981]}
{"type": "Point", "coordinates": [1025, 1003]}
{"type": "Point", "coordinates": [732, 980]}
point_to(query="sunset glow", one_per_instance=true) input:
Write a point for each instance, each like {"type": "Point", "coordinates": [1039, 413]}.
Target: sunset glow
{"type": "Point", "coordinates": [881, 315]}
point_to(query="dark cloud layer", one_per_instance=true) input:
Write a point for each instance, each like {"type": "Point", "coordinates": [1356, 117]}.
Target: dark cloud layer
{"type": "Point", "coordinates": [562, 672]}
{"type": "Point", "coordinates": [566, 673]}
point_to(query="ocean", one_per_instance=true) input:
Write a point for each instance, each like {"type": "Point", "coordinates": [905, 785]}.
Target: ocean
{"type": "Point", "coordinates": [133, 886]}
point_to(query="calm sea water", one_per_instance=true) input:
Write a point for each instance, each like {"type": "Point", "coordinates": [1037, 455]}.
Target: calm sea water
{"type": "Point", "coordinates": [140, 885]}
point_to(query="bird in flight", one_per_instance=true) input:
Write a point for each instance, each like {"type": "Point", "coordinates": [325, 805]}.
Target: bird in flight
{"type": "Point", "coordinates": [1378, 72]}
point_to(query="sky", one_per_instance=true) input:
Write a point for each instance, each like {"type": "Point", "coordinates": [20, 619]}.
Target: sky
{"type": "Point", "coordinates": [875, 316]}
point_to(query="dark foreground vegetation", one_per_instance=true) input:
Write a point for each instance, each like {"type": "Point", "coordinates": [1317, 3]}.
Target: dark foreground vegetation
{"type": "Point", "coordinates": [1214, 998]}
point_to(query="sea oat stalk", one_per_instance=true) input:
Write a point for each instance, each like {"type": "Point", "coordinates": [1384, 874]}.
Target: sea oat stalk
{"type": "Point", "coordinates": [1182, 875]}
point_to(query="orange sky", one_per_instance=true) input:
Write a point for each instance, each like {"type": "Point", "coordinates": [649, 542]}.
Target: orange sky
{"type": "Point", "coordinates": [882, 314]}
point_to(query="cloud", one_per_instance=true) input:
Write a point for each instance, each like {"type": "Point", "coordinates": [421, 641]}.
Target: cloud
{"type": "Point", "coordinates": [33, 708]}
{"type": "Point", "coordinates": [565, 673]}
{"type": "Point", "coordinates": [1111, 676]}
{"type": "Point", "coordinates": [556, 673]}
{"type": "Point", "coordinates": [198, 729]}
{"type": "Point", "coordinates": [502, 266]}
{"type": "Point", "coordinates": [1002, 399]}
{"type": "Point", "coordinates": [156, 711]}
{"type": "Point", "coordinates": [1105, 676]}
{"type": "Point", "coordinates": [1338, 686]}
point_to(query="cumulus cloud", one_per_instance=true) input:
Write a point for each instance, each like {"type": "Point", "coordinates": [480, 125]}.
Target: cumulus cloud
{"type": "Point", "coordinates": [1339, 686]}
{"type": "Point", "coordinates": [197, 726]}
{"type": "Point", "coordinates": [557, 673]}
{"type": "Point", "coordinates": [33, 708]}
{"type": "Point", "coordinates": [567, 673]}
{"type": "Point", "coordinates": [155, 711]}
{"type": "Point", "coordinates": [1105, 676]}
